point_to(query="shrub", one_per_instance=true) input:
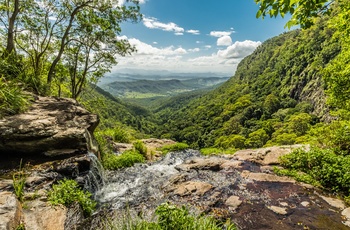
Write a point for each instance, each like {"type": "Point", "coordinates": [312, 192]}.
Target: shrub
{"type": "Point", "coordinates": [326, 167]}
{"type": "Point", "coordinates": [67, 192]}
{"type": "Point", "coordinates": [174, 147]}
{"type": "Point", "coordinates": [126, 159]}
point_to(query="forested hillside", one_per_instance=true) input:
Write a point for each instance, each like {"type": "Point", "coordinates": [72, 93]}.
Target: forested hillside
{"type": "Point", "coordinates": [276, 95]}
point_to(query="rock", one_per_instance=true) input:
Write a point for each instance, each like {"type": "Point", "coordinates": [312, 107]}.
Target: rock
{"type": "Point", "coordinates": [10, 211]}
{"type": "Point", "coordinates": [212, 163]}
{"type": "Point", "coordinates": [40, 215]}
{"type": "Point", "coordinates": [278, 210]}
{"type": "Point", "coordinates": [51, 127]}
{"type": "Point", "coordinates": [266, 177]}
{"type": "Point", "coordinates": [192, 188]}
{"type": "Point", "coordinates": [305, 203]}
{"type": "Point", "coordinates": [346, 214]}
{"type": "Point", "coordinates": [233, 202]}
{"type": "Point", "coordinates": [334, 202]}
{"type": "Point", "coordinates": [265, 156]}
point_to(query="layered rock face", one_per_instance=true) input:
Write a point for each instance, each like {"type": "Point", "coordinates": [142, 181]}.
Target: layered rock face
{"type": "Point", "coordinates": [51, 127]}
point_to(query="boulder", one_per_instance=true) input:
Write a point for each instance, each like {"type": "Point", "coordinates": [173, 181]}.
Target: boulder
{"type": "Point", "coordinates": [51, 127]}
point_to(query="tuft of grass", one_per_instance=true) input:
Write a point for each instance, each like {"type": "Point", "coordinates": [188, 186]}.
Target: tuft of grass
{"type": "Point", "coordinates": [67, 192]}
{"type": "Point", "coordinates": [126, 159]}
{"type": "Point", "coordinates": [19, 179]}
{"type": "Point", "coordinates": [174, 147]}
{"type": "Point", "coordinates": [12, 98]}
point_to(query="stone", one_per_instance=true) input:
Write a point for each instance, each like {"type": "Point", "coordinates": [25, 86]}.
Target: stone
{"type": "Point", "coordinates": [266, 156]}
{"type": "Point", "coordinates": [334, 202]}
{"type": "Point", "coordinates": [41, 215]}
{"type": "Point", "coordinates": [233, 202]}
{"type": "Point", "coordinates": [212, 163]}
{"type": "Point", "coordinates": [346, 214]}
{"type": "Point", "coordinates": [51, 127]}
{"type": "Point", "coordinates": [192, 188]}
{"type": "Point", "coordinates": [10, 211]}
{"type": "Point", "coordinates": [305, 203]}
{"type": "Point", "coordinates": [278, 210]}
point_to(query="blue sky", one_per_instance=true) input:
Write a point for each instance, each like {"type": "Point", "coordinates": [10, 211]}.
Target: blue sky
{"type": "Point", "coordinates": [196, 35]}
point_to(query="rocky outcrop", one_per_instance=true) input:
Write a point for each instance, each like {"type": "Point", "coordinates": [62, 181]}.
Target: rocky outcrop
{"type": "Point", "coordinates": [51, 127]}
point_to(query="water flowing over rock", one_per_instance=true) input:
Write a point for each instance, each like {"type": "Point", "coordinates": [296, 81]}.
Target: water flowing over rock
{"type": "Point", "coordinates": [242, 188]}
{"type": "Point", "coordinates": [51, 127]}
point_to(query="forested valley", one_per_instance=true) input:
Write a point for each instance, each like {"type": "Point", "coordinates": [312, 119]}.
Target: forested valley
{"type": "Point", "coordinates": [293, 89]}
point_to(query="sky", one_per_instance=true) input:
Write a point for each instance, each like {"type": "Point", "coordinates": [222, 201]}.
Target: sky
{"type": "Point", "coordinates": [191, 36]}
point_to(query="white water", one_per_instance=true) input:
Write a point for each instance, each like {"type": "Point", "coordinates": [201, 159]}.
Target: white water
{"type": "Point", "coordinates": [141, 182]}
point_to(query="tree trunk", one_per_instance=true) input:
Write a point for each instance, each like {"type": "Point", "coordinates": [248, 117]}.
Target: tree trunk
{"type": "Point", "coordinates": [10, 43]}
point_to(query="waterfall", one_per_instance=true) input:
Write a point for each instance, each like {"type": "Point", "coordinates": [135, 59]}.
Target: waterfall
{"type": "Point", "coordinates": [95, 179]}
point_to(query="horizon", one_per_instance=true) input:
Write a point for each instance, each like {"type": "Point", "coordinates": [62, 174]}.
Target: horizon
{"type": "Point", "coordinates": [195, 36]}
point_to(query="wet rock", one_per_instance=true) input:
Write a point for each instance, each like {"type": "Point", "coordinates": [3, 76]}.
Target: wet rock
{"type": "Point", "coordinates": [191, 188]}
{"type": "Point", "coordinates": [51, 127]}
{"type": "Point", "coordinates": [10, 211]}
{"type": "Point", "coordinates": [233, 202]}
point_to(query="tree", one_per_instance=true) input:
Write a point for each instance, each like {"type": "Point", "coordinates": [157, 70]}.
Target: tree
{"type": "Point", "coordinates": [302, 11]}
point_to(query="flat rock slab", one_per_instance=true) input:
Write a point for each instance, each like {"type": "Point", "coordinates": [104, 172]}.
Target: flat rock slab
{"type": "Point", "coordinates": [51, 127]}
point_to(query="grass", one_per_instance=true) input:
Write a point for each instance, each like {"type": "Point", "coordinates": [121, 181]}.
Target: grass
{"type": "Point", "coordinates": [126, 159]}
{"type": "Point", "coordinates": [217, 151]}
{"type": "Point", "coordinates": [168, 217]}
{"type": "Point", "coordinates": [19, 179]}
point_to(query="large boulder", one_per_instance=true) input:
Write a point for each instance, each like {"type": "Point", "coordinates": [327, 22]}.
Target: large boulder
{"type": "Point", "coordinates": [51, 127]}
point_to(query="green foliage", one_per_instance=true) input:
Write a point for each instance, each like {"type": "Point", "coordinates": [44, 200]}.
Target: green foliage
{"type": "Point", "coordinates": [217, 151]}
{"type": "Point", "coordinates": [67, 192]}
{"type": "Point", "coordinates": [12, 98]}
{"type": "Point", "coordinates": [174, 147]}
{"type": "Point", "coordinates": [272, 99]}
{"type": "Point", "coordinates": [302, 11]}
{"type": "Point", "coordinates": [126, 159]}
{"type": "Point", "coordinates": [21, 226]}
{"type": "Point", "coordinates": [140, 148]}
{"type": "Point", "coordinates": [322, 166]}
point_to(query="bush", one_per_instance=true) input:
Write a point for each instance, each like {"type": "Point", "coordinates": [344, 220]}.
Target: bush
{"type": "Point", "coordinates": [67, 192]}
{"type": "Point", "coordinates": [324, 166]}
{"type": "Point", "coordinates": [174, 147]}
{"type": "Point", "coordinates": [127, 159]}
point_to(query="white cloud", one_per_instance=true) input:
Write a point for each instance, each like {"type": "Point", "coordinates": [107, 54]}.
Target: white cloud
{"type": "Point", "coordinates": [178, 59]}
{"type": "Point", "coordinates": [195, 32]}
{"type": "Point", "coordinates": [224, 41]}
{"type": "Point", "coordinates": [220, 33]}
{"type": "Point", "coordinates": [155, 43]}
{"type": "Point", "coordinates": [239, 50]}
{"type": "Point", "coordinates": [153, 23]}
{"type": "Point", "coordinates": [178, 33]}
{"type": "Point", "coordinates": [194, 50]}
{"type": "Point", "coordinates": [198, 42]}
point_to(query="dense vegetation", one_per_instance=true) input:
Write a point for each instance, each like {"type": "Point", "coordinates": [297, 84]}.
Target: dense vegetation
{"type": "Point", "coordinates": [275, 97]}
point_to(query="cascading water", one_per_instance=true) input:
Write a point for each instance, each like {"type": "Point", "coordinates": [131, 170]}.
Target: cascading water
{"type": "Point", "coordinates": [95, 179]}
{"type": "Point", "coordinates": [132, 186]}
